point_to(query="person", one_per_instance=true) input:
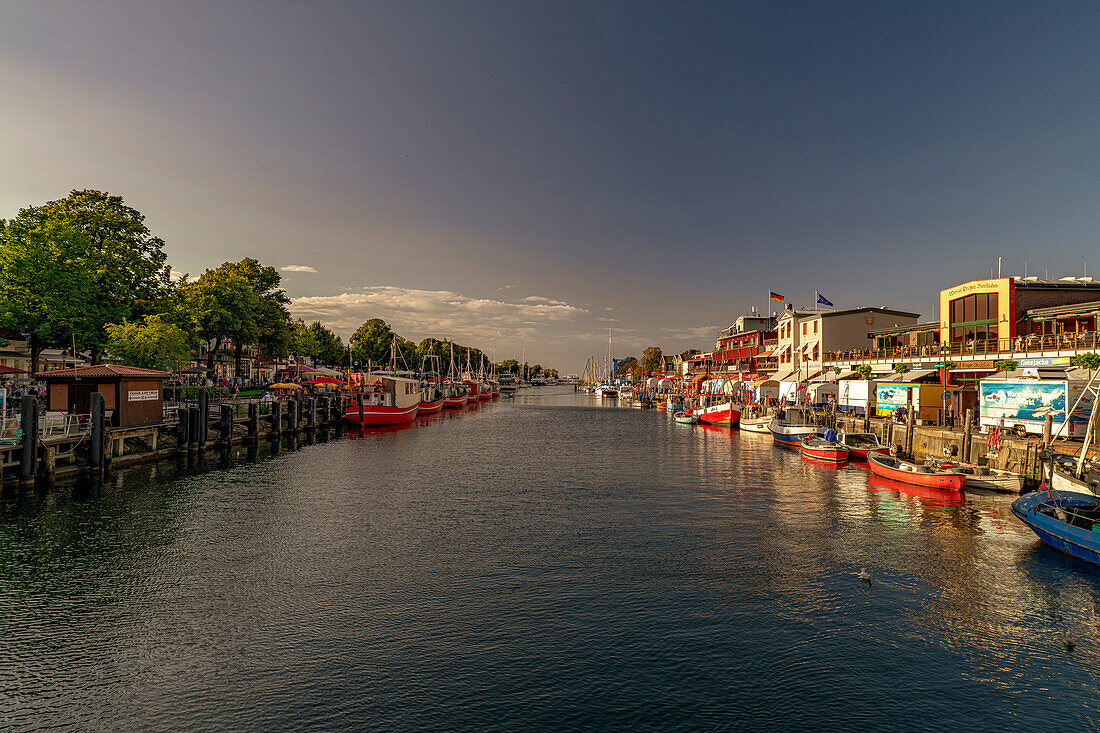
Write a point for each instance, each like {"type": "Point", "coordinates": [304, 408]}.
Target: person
{"type": "Point", "coordinates": [830, 435]}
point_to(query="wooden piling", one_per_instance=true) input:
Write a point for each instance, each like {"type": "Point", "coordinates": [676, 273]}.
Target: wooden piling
{"type": "Point", "coordinates": [226, 424]}
{"type": "Point", "coordinates": [253, 421]}
{"type": "Point", "coordinates": [29, 425]}
{"type": "Point", "coordinates": [193, 428]}
{"type": "Point", "coordinates": [96, 440]}
{"type": "Point", "coordinates": [204, 419]}
{"type": "Point", "coordinates": [276, 418]}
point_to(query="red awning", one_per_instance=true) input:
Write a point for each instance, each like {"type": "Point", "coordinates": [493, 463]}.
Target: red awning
{"type": "Point", "coordinates": [10, 370]}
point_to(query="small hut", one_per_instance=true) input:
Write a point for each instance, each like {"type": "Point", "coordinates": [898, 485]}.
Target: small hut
{"type": "Point", "coordinates": [132, 395]}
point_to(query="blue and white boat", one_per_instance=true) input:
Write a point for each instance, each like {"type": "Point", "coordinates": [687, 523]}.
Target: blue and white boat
{"type": "Point", "coordinates": [790, 425]}
{"type": "Point", "coordinates": [1068, 521]}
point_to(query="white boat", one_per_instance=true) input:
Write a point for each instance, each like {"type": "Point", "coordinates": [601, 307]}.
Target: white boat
{"type": "Point", "coordinates": [983, 477]}
{"type": "Point", "coordinates": [791, 424]}
{"type": "Point", "coordinates": [606, 390]}
{"type": "Point", "coordinates": [756, 424]}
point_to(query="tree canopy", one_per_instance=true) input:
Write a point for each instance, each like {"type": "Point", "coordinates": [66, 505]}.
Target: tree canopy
{"type": "Point", "coordinates": [153, 343]}
{"type": "Point", "coordinates": [651, 360]}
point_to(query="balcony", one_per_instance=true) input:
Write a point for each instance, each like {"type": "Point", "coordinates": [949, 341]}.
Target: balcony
{"type": "Point", "coordinates": [1031, 346]}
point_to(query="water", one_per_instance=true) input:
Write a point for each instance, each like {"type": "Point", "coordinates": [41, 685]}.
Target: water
{"type": "Point", "coordinates": [542, 565]}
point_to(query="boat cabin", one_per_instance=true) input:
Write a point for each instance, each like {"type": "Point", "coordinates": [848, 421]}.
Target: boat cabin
{"type": "Point", "coordinates": [385, 390]}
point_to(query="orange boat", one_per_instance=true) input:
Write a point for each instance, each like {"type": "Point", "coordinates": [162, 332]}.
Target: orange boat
{"type": "Point", "coordinates": [914, 473]}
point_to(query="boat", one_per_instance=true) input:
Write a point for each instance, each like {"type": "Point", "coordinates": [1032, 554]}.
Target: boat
{"type": "Point", "coordinates": [685, 418]}
{"type": "Point", "coordinates": [1064, 477]}
{"type": "Point", "coordinates": [983, 477]}
{"type": "Point", "coordinates": [914, 473]}
{"type": "Point", "coordinates": [455, 391]}
{"type": "Point", "coordinates": [382, 399]}
{"type": "Point", "coordinates": [726, 414]}
{"type": "Point", "coordinates": [755, 424]}
{"type": "Point", "coordinates": [899, 489]}
{"type": "Point", "coordinates": [674, 403]}
{"type": "Point", "coordinates": [1068, 521]}
{"type": "Point", "coordinates": [606, 390]}
{"type": "Point", "coordinates": [431, 386]}
{"type": "Point", "coordinates": [819, 448]}
{"type": "Point", "coordinates": [862, 444]}
{"type": "Point", "coordinates": [509, 385]}
{"type": "Point", "coordinates": [790, 425]}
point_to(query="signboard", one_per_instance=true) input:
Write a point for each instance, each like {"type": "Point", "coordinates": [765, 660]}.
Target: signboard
{"type": "Point", "coordinates": [1045, 361]}
{"type": "Point", "coordinates": [1029, 403]}
{"type": "Point", "coordinates": [970, 366]}
{"type": "Point", "coordinates": [143, 395]}
{"type": "Point", "coordinates": [892, 396]}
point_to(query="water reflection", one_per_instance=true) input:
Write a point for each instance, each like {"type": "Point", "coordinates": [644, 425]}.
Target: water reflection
{"type": "Point", "coordinates": [556, 562]}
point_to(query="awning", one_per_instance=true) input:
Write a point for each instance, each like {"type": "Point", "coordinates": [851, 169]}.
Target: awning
{"type": "Point", "coordinates": [766, 353]}
{"type": "Point", "coordinates": [913, 375]}
{"type": "Point", "coordinates": [847, 375]}
{"type": "Point", "coordinates": [808, 344]}
{"type": "Point", "coordinates": [783, 376]}
{"type": "Point", "coordinates": [763, 380]}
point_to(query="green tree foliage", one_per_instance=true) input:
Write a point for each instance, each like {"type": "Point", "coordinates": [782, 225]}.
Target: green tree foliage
{"type": "Point", "coordinates": [330, 349]}
{"type": "Point", "coordinates": [1006, 365]}
{"type": "Point", "coordinates": [41, 297]}
{"type": "Point", "coordinates": [153, 343]}
{"type": "Point", "coordinates": [371, 342]}
{"type": "Point", "coordinates": [119, 265]}
{"type": "Point", "coordinates": [901, 368]}
{"type": "Point", "coordinates": [303, 344]}
{"type": "Point", "coordinates": [651, 360]}
{"type": "Point", "coordinates": [220, 306]}
{"type": "Point", "coordinates": [510, 366]}
{"type": "Point", "coordinates": [863, 371]}
{"type": "Point", "coordinates": [270, 327]}
{"type": "Point", "coordinates": [1090, 360]}
{"type": "Point", "coordinates": [628, 365]}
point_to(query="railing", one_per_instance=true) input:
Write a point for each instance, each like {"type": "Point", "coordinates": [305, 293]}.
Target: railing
{"type": "Point", "coordinates": [1033, 344]}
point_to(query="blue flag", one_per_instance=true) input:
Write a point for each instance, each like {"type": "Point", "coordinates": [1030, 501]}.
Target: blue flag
{"type": "Point", "coordinates": [822, 301]}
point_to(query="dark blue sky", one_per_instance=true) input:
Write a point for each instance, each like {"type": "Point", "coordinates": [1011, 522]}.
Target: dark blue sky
{"type": "Point", "coordinates": [531, 172]}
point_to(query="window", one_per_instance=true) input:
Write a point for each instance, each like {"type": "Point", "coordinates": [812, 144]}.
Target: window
{"type": "Point", "coordinates": [815, 326]}
{"type": "Point", "coordinates": [803, 329]}
{"type": "Point", "coordinates": [815, 352]}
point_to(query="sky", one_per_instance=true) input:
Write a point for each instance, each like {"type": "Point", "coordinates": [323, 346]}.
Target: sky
{"type": "Point", "coordinates": [523, 176]}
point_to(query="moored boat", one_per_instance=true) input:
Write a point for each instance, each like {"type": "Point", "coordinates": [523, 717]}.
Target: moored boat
{"type": "Point", "coordinates": [821, 449]}
{"type": "Point", "coordinates": [383, 400]}
{"type": "Point", "coordinates": [983, 477]}
{"type": "Point", "coordinates": [790, 425]}
{"type": "Point", "coordinates": [860, 445]}
{"type": "Point", "coordinates": [726, 414]}
{"type": "Point", "coordinates": [685, 418]}
{"type": "Point", "coordinates": [914, 473]}
{"type": "Point", "coordinates": [1068, 521]}
{"type": "Point", "coordinates": [755, 424]}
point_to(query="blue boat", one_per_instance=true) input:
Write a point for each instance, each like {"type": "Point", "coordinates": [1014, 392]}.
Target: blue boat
{"type": "Point", "coordinates": [790, 425]}
{"type": "Point", "coordinates": [1068, 521]}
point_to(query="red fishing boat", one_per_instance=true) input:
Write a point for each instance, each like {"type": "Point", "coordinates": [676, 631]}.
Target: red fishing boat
{"type": "Point", "coordinates": [382, 399]}
{"type": "Point", "coordinates": [914, 473]}
{"type": "Point", "coordinates": [726, 414]}
{"type": "Point", "coordinates": [860, 445]}
{"type": "Point", "coordinates": [431, 386]}
{"type": "Point", "coordinates": [823, 450]}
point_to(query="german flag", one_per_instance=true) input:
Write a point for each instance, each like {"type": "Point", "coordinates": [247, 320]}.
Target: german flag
{"type": "Point", "coordinates": [776, 297]}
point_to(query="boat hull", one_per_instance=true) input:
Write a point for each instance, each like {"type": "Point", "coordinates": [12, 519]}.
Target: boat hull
{"type": "Point", "coordinates": [860, 454]}
{"type": "Point", "coordinates": [829, 452]}
{"type": "Point", "coordinates": [1073, 541]}
{"type": "Point", "coordinates": [371, 415]}
{"type": "Point", "coordinates": [948, 481]}
{"type": "Point", "coordinates": [452, 403]}
{"type": "Point", "coordinates": [427, 408]}
{"type": "Point", "coordinates": [792, 436]}
{"type": "Point", "coordinates": [726, 415]}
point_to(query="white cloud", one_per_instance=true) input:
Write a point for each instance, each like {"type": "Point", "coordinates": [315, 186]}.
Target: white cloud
{"type": "Point", "coordinates": [176, 275]}
{"type": "Point", "coordinates": [297, 268]}
{"type": "Point", "coordinates": [418, 314]}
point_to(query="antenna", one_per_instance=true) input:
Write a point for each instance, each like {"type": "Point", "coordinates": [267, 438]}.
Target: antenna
{"type": "Point", "coordinates": [998, 268]}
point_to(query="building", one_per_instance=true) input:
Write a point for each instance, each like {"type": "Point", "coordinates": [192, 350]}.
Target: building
{"type": "Point", "coordinates": [132, 396]}
{"type": "Point", "coordinates": [805, 336]}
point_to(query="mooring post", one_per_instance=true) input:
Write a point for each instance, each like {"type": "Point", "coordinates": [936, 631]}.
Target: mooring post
{"type": "Point", "coordinates": [1048, 429]}
{"type": "Point", "coordinates": [193, 428]}
{"type": "Point", "coordinates": [292, 416]}
{"type": "Point", "coordinates": [29, 424]}
{"type": "Point", "coordinates": [276, 417]}
{"type": "Point", "coordinates": [253, 420]}
{"type": "Point", "coordinates": [182, 415]}
{"type": "Point", "coordinates": [95, 444]}
{"type": "Point", "coordinates": [311, 412]}
{"type": "Point", "coordinates": [204, 418]}
{"type": "Point", "coordinates": [227, 424]}
{"type": "Point", "coordinates": [968, 426]}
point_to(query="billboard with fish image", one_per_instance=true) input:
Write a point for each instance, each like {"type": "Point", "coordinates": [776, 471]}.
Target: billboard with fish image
{"type": "Point", "coordinates": [1028, 403]}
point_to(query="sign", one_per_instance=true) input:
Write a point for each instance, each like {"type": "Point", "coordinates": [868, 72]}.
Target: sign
{"type": "Point", "coordinates": [891, 396]}
{"type": "Point", "coordinates": [143, 395]}
{"type": "Point", "coordinates": [1045, 361]}
{"type": "Point", "coordinates": [971, 366]}
{"type": "Point", "coordinates": [1029, 403]}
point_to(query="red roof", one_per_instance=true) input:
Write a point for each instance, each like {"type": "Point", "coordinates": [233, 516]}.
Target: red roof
{"type": "Point", "coordinates": [11, 370]}
{"type": "Point", "coordinates": [103, 370]}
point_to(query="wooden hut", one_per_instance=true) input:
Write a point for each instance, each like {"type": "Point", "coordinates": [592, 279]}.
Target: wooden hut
{"type": "Point", "coordinates": [132, 395]}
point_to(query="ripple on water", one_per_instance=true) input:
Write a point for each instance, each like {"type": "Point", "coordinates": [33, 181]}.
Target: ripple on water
{"type": "Point", "coordinates": [549, 564]}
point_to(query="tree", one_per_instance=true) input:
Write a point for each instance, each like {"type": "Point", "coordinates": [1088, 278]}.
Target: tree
{"type": "Point", "coordinates": [651, 360]}
{"type": "Point", "coordinates": [371, 342]}
{"type": "Point", "coordinates": [153, 343]}
{"type": "Point", "coordinates": [41, 292]}
{"type": "Point", "coordinates": [330, 349]}
{"type": "Point", "coordinates": [510, 366]}
{"type": "Point", "coordinates": [270, 321]}
{"type": "Point", "coordinates": [303, 344]}
{"type": "Point", "coordinates": [221, 304]}
{"type": "Point", "coordinates": [121, 264]}
{"type": "Point", "coordinates": [901, 368]}
{"type": "Point", "coordinates": [628, 365]}
{"type": "Point", "coordinates": [1006, 365]}
{"type": "Point", "coordinates": [863, 371]}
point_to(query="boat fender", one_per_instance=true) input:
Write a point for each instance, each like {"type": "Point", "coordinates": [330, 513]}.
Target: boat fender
{"type": "Point", "coordinates": [994, 441]}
